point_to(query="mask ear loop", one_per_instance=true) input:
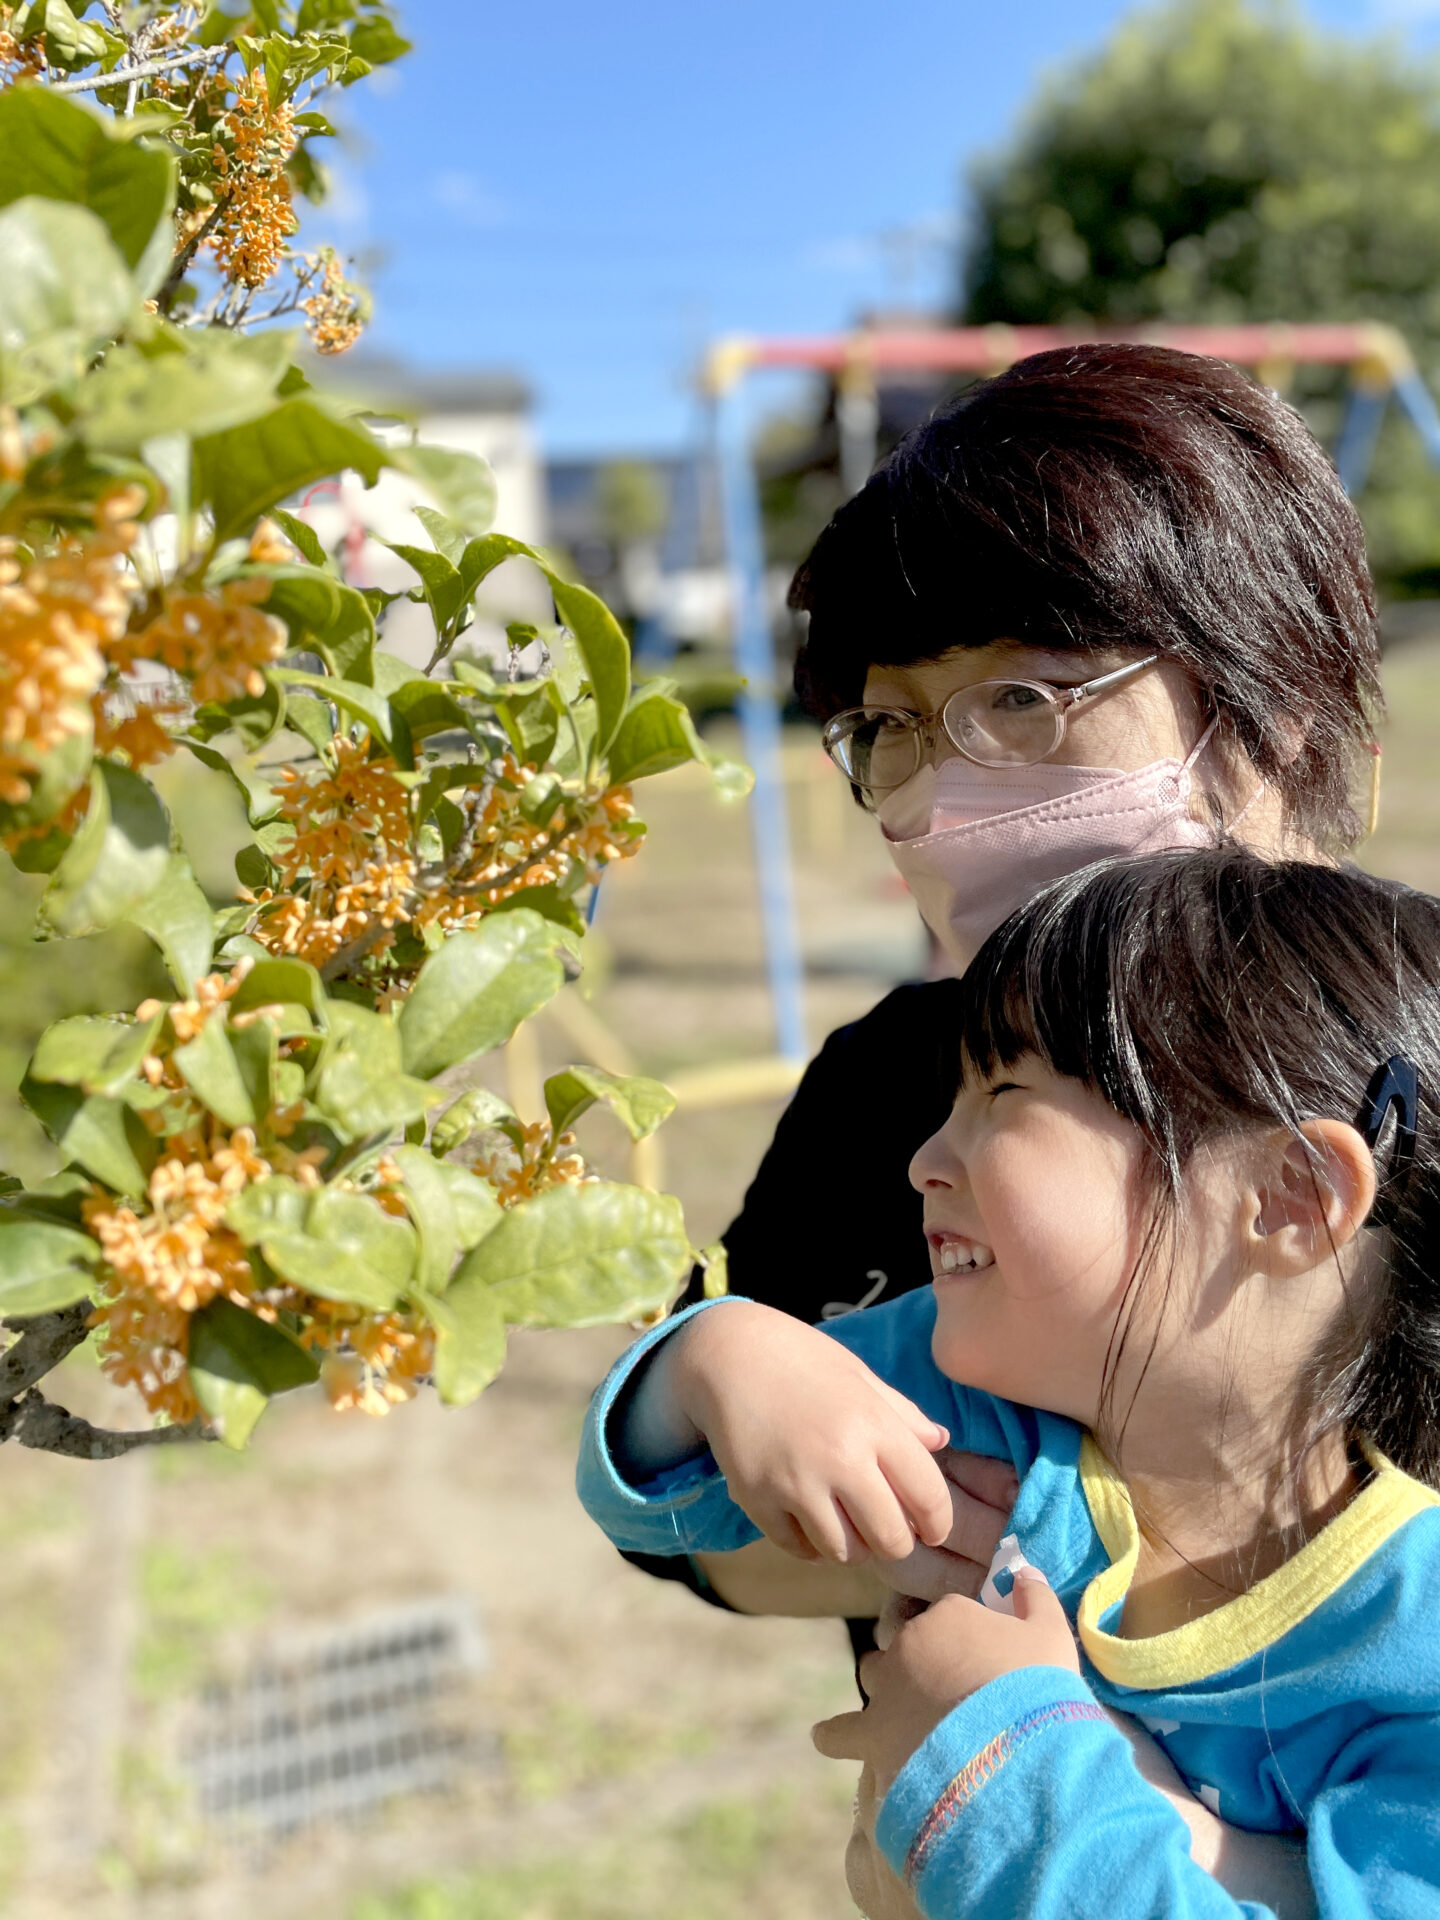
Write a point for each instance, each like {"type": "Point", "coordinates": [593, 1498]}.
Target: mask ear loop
{"type": "Point", "coordinates": [1394, 1083]}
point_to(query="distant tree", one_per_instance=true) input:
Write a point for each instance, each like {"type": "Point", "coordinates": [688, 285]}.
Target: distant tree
{"type": "Point", "coordinates": [1225, 161]}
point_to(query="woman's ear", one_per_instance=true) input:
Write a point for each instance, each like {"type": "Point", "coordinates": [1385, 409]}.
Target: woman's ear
{"type": "Point", "coordinates": [1312, 1195]}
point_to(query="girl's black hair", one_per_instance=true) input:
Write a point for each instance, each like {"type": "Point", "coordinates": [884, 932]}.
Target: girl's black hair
{"type": "Point", "coordinates": [1203, 993]}
{"type": "Point", "coordinates": [1119, 496]}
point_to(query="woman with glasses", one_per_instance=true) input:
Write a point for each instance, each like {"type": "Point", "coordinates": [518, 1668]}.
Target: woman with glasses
{"type": "Point", "coordinates": [1113, 601]}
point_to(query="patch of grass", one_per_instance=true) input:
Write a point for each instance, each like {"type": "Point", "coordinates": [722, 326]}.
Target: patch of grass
{"type": "Point", "coordinates": [776, 1858]}
{"type": "Point", "coordinates": [189, 1600]}
{"type": "Point", "coordinates": [565, 1748]}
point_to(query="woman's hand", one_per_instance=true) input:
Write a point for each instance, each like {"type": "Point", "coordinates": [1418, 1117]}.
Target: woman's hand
{"type": "Point", "coordinates": [937, 1659]}
{"type": "Point", "coordinates": [828, 1461]}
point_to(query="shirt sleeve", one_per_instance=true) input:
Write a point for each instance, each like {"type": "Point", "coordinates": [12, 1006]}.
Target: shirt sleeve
{"type": "Point", "coordinates": [1026, 1799]}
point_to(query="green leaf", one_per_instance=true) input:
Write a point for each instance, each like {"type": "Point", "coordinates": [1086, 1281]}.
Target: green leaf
{"type": "Point", "coordinates": [237, 1362]}
{"type": "Point", "coordinates": [473, 1110]}
{"type": "Point", "coordinates": [118, 857]}
{"type": "Point", "coordinates": [253, 717]}
{"type": "Point", "coordinates": [362, 1085]}
{"type": "Point", "coordinates": [655, 735]}
{"type": "Point", "coordinates": [178, 918]}
{"type": "Point", "coordinates": [603, 648]}
{"type": "Point", "coordinates": [462, 483]}
{"type": "Point", "coordinates": [426, 1193]}
{"type": "Point", "coordinates": [249, 469]}
{"type": "Point", "coordinates": [64, 291]}
{"type": "Point", "coordinates": [375, 40]}
{"type": "Point", "coordinates": [103, 1135]}
{"type": "Point", "coordinates": [540, 797]}
{"type": "Point", "coordinates": [92, 1051]}
{"type": "Point", "coordinates": [550, 903]}
{"type": "Point", "coordinates": [469, 1345]}
{"type": "Point", "coordinates": [482, 556]}
{"type": "Point", "coordinates": [351, 1249]}
{"type": "Point", "coordinates": [640, 1104]}
{"type": "Point", "coordinates": [447, 535]}
{"type": "Point", "coordinates": [260, 799]}
{"type": "Point", "coordinates": [215, 381]}
{"type": "Point", "coordinates": [54, 779]}
{"type": "Point", "coordinates": [427, 707]}
{"type": "Point", "coordinates": [210, 1070]}
{"type": "Point", "coordinates": [274, 1205]}
{"type": "Point", "coordinates": [281, 983]}
{"type": "Point", "coordinates": [580, 1256]}
{"type": "Point", "coordinates": [300, 534]}
{"type": "Point", "coordinates": [716, 1261]}
{"type": "Point", "coordinates": [439, 581]}
{"type": "Point", "coordinates": [43, 1266]}
{"type": "Point", "coordinates": [473, 993]}
{"type": "Point", "coordinates": [361, 703]}
{"type": "Point", "coordinates": [60, 150]}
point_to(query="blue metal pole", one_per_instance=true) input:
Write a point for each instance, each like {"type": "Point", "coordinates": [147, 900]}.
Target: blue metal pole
{"type": "Point", "coordinates": [1418, 401]}
{"type": "Point", "coordinates": [1359, 431]}
{"type": "Point", "coordinates": [760, 725]}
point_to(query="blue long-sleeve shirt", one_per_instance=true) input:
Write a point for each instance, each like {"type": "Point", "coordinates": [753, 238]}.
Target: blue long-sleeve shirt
{"type": "Point", "coordinates": [1311, 1702]}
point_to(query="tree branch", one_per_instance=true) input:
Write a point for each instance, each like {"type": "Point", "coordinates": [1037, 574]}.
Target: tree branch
{"type": "Point", "coordinates": [125, 76]}
{"type": "Point", "coordinates": [35, 1422]}
{"type": "Point", "coordinates": [44, 1341]}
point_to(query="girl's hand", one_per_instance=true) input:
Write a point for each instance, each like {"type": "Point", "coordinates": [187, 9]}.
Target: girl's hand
{"type": "Point", "coordinates": [936, 1660]}
{"type": "Point", "coordinates": [828, 1461]}
{"type": "Point", "coordinates": [982, 1493]}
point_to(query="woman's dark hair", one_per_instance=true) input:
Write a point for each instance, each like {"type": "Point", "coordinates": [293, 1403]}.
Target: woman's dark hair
{"type": "Point", "coordinates": [1204, 993]}
{"type": "Point", "coordinates": [1119, 496]}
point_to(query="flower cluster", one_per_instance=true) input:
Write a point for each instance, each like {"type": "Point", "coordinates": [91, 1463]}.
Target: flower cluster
{"type": "Point", "coordinates": [520, 1168]}
{"type": "Point", "coordinates": [60, 616]}
{"type": "Point", "coordinates": [256, 217]}
{"type": "Point", "coordinates": [168, 1255]}
{"type": "Point", "coordinates": [335, 308]}
{"type": "Point", "coordinates": [218, 641]}
{"type": "Point", "coordinates": [19, 59]}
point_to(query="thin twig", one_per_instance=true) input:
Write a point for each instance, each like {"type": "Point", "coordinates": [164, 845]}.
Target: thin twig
{"type": "Point", "coordinates": [121, 76]}
{"type": "Point", "coordinates": [36, 1422]}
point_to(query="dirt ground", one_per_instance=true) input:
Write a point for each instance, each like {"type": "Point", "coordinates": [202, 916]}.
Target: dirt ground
{"type": "Point", "coordinates": [637, 1754]}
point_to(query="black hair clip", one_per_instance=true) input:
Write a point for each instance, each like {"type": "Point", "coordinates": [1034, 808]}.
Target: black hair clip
{"type": "Point", "coordinates": [1394, 1083]}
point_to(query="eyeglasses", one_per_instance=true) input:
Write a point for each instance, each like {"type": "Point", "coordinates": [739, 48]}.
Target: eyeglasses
{"type": "Point", "coordinates": [995, 723]}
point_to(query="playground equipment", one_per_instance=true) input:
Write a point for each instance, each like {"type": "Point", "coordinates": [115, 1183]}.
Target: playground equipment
{"type": "Point", "coordinates": [1380, 367]}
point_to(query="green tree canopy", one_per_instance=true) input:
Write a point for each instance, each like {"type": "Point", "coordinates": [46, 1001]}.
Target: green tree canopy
{"type": "Point", "coordinates": [1224, 161]}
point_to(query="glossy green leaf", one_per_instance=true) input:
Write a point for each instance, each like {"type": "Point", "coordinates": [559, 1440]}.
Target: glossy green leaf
{"type": "Point", "coordinates": [716, 1261]}
{"type": "Point", "coordinates": [302, 535]}
{"type": "Point", "coordinates": [93, 1051]}
{"type": "Point", "coordinates": [274, 1205]}
{"type": "Point", "coordinates": [447, 536]}
{"type": "Point", "coordinates": [604, 649]}
{"type": "Point", "coordinates": [473, 993]}
{"type": "Point", "coordinates": [215, 381]}
{"type": "Point", "coordinates": [260, 800]}
{"type": "Point", "coordinates": [237, 1362]}
{"type": "Point", "coordinates": [655, 735]}
{"type": "Point", "coordinates": [469, 1345]}
{"type": "Point", "coordinates": [119, 855]}
{"type": "Point", "coordinates": [60, 149]}
{"type": "Point", "coordinates": [461, 483]}
{"type": "Point", "coordinates": [639, 1103]}
{"type": "Point", "coordinates": [64, 291]}
{"type": "Point", "coordinates": [579, 1256]}
{"type": "Point", "coordinates": [101, 1134]}
{"type": "Point", "coordinates": [43, 1266]}
{"type": "Point", "coordinates": [550, 903]}
{"type": "Point", "coordinates": [249, 469]}
{"type": "Point", "coordinates": [473, 1110]}
{"type": "Point", "coordinates": [178, 918]}
{"type": "Point", "coordinates": [209, 1068]}
{"type": "Point", "coordinates": [427, 1194]}
{"type": "Point", "coordinates": [375, 39]}
{"type": "Point", "coordinates": [351, 1249]}
{"type": "Point", "coordinates": [362, 1085]}
{"type": "Point", "coordinates": [361, 703]}
{"type": "Point", "coordinates": [280, 983]}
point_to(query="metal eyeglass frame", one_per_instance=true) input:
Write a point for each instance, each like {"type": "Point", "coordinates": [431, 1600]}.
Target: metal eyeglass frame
{"type": "Point", "coordinates": [927, 728]}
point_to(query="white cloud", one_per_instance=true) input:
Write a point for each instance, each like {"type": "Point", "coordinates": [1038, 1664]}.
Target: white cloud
{"type": "Point", "coordinates": [467, 195]}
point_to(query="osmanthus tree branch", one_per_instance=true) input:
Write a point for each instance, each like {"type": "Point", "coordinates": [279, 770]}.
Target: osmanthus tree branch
{"type": "Point", "coordinates": [37, 1422]}
{"type": "Point", "coordinates": [28, 1417]}
{"type": "Point", "coordinates": [122, 76]}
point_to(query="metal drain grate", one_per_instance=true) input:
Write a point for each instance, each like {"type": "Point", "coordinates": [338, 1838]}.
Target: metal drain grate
{"type": "Point", "coordinates": [327, 1724]}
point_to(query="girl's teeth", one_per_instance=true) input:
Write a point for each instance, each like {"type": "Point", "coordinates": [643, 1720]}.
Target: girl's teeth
{"type": "Point", "coordinates": [964, 1256]}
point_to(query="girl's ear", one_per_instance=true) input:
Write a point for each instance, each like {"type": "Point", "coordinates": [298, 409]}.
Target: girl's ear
{"type": "Point", "coordinates": [1307, 1205]}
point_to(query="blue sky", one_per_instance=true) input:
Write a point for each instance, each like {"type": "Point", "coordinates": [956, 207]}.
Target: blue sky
{"type": "Point", "coordinates": [584, 193]}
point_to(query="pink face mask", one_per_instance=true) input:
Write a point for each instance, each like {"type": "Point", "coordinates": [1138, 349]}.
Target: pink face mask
{"type": "Point", "coordinates": [974, 843]}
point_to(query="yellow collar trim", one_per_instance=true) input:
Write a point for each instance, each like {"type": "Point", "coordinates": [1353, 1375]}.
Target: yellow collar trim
{"type": "Point", "coordinates": [1253, 1620]}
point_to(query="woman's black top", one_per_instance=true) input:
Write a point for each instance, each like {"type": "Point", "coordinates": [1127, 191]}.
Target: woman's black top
{"type": "Point", "coordinates": [831, 1220]}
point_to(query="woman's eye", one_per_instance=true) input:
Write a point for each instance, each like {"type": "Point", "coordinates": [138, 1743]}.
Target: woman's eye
{"type": "Point", "coordinates": [1016, 699]}
{"type": "Point", "coordinates": [1004, 1086]}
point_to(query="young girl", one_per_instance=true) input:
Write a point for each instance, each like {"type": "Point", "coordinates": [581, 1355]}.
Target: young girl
{"type": "Point", "coordinates": [1184, 1226]}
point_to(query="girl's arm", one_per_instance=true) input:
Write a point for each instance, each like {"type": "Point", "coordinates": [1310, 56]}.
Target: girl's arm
{"type": "Point", "coordinates": [816, 1451]}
